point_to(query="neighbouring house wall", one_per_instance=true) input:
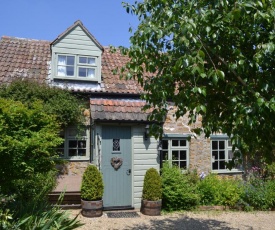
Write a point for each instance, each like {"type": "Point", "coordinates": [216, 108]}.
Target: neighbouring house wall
{"type": "Point", "coordinates": [145, 156]}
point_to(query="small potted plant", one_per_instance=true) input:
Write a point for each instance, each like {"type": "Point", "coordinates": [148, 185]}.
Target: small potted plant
{"type": "Point", "coordinates": [91, 192]}
{"type": "Point", "coordinates": [151, 193]}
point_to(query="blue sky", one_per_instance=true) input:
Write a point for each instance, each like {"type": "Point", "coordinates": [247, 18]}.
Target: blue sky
{"type": "Point", "coordinates": [107, 20]}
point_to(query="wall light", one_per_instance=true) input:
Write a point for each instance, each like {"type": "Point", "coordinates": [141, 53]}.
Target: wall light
{"type": "Point", "coordinates": [146, 133]}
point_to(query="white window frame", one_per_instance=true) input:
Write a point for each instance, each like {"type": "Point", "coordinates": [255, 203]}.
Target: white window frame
{"type": "Point", "coordinates": [76, 67]}
{"type": "Point", "coordinates": [172, 148]}
{"type": "Point", "coordinates": [227, 152]}
{"type": "Point", "coordinates": [79, 136]}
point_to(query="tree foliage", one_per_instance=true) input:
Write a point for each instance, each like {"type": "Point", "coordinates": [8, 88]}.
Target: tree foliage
{"type": "Point", "coordinates": [59, 102]}
{"type": "Point", "coordinates": [211, 58]}
{"type": "Point", "coordinates": [28, 137]}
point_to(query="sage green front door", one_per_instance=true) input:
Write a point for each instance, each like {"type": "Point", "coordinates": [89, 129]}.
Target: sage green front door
{"type": "Point", "coordinates": [117, 166]}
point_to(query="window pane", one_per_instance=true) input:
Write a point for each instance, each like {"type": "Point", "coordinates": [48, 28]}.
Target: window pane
{"type": "Point", "coordinates": [221, 144]}
{"type": "Point", "coordinates": [72, 144]}
{"type": "Point", "coordinates": [182, 155]}
{"type": "Point", "coordinates": [165, 155]}
{"type": "Point", "coordinates": [82, 144]}
{"type": "Point", "coordinates": [82, 72]}
{"type": "Point", "coordinates": [222, 155]}
{"type": "Point", "coordinates": [116, 144]}
{"type": "Point", "coordinates": [175, 143]}
{"type": "Point", "coordinates": [91, 72]}
{"type": "Point", "coordinates": [70, 71]}
{"type": "Point", "coordinates": [61, 60]}
{"type": "Point", "coordinates": [182, 142]}
{"type": "Point", "coordinates": [183, 164]}
{"type": "Point", "coordinates": [175, 163]}
{"type": "Point", "coordinates": [222, 165]}
{"type": "Point", "coordinates": [83, 60]}
{"type": "Point", "coordinates": [175, 155]}
{"type": "Point", "coordinates": [72, 152]}
{"type": "Point", "coordinates": [91, 61]}
{"type": "Point", "coordinates": [214, 144]}
{"type": "Point", "coordinates": [81, 152]}
{"type": "Point", "coordinates": [165, 144]}
{"type": "Point", "coordinates": [215, 165]}
{"type": "Point", "coordinates": [230, 154]}
{"type": "Point", "coordinates": [72, 132]}
{"type": "Point", "coordinates": [70, 60]}
{"type": "Point", "coordinates": [215, 154]}
{"type": "Point", "coordinates": [61, 71]}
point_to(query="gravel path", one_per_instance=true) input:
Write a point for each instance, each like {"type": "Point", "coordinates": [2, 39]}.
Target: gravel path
{"type": "Point", "coordinates": [185, 220]}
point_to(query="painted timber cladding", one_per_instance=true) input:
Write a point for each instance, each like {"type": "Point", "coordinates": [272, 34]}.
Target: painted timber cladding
{"type": "Point", "coordinates": [145, 156]}
{"type": "Point", "coordinates": [77, 42]}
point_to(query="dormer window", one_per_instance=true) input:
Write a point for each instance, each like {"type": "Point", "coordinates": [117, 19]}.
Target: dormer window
{"type": "Point", "coordinates": [76, 67]}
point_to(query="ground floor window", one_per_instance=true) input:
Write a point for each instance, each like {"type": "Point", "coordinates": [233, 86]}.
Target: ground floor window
{"type": "Point", "coordinates": [76, 143]}
{"type": "Point", "coordinates": [176, 150]}
{"type": "Point", "coordinates": [221, 151]}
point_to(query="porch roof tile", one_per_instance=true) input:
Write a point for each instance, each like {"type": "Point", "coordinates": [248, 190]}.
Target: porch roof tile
{"type": "Point", "coordinates": [118, 109]}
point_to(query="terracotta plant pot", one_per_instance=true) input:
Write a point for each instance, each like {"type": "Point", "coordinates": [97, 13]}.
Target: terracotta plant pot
{"type": "Point", "coordinates": [92, 208]}
{"type": "Point", "coordinates": [151, 208]}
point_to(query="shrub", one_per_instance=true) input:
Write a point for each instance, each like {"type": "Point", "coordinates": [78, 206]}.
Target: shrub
{"type": "Point", "coordinates": [152, 185]}
{"type": "Point", "coordinates": [28, 137]}
{"type": "Point", "coordinates": [36, 187]}
{"type": "Point", "coordinates": [178, 191]}
{"type": "Point", "coordinates": [92, 184]}
{"type": "Point", "coordinates": [215, 190]}
{"type": "Point", "coordinates": [259, 195]}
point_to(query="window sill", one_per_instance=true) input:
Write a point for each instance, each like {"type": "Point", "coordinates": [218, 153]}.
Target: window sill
{"type": "Point", "coordinates": [76, 79]}
{"type": "Point", "coordinates": [227, 171]}
{"type": "Point", "coordinates": [75, 158]}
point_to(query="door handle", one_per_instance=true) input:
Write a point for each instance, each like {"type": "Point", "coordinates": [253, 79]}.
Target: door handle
{"type": "Point", "coordinates": [128, 172]}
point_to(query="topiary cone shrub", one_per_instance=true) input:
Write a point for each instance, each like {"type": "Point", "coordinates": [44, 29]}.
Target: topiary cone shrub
{"type": "Point", "coordinates": [152, 189]}
{"type": "Point", "coordinates": [152, 193]}
{"type": "Point", "coordinates": [92, 184]}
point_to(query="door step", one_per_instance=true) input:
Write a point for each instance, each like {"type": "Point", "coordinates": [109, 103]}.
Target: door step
{"type": "Point", "coordinates": [114, 208]}
{"type": "Point", "coordinates": [71, 199]}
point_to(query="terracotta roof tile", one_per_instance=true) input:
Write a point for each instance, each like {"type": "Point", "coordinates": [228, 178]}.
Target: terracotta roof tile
{"type": "Point", "coordinates": [27, 58]}
{"type": "Point", "coordinates": [118, 109]}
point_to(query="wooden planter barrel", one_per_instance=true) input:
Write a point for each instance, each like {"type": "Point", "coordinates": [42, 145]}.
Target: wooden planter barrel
{"type": "Point", "coordinates": [151, 208]}
{"type": "Point", "coordinates": [92, 208]}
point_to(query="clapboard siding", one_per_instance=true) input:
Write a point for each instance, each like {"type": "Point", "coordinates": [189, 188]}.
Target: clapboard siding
{"type": "Point", "coordinates": [145, 156]}
{"type": "Point", "coordinates": [77, 42]}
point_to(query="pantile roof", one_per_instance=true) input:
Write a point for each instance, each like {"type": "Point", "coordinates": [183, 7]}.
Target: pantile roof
{"type": "Point", "coordinates": [27, 58]}
{"type": "Point", "coordinates": [118, 110]}
{"type": "Point", "coordinates": [24, 58]}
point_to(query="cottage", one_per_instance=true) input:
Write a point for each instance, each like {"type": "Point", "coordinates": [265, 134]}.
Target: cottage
{"type": "Point", "coordinates": [115, 137]}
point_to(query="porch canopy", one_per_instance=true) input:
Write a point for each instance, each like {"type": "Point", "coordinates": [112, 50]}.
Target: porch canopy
{"type": "Point", "coordinates": [104, 109]}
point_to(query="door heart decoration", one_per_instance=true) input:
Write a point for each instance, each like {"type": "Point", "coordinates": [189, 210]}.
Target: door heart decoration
{"type": "Point", "coordinates": [116, 162]}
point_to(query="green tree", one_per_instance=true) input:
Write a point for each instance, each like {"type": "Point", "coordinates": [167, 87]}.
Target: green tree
{"type": "Point", "coordinates": [28, 137]}
{"type": "Point", "coordinates": [211, 58]}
